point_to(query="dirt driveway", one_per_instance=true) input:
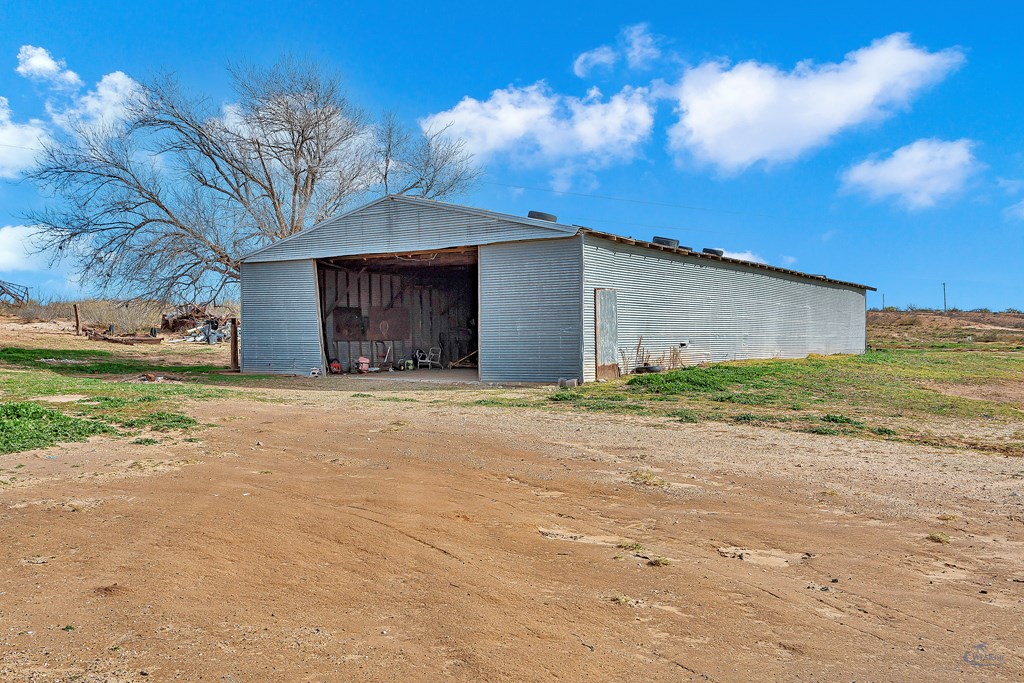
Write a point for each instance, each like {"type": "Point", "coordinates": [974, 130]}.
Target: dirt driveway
{"type": "Point", "coordinates": [332, 538]}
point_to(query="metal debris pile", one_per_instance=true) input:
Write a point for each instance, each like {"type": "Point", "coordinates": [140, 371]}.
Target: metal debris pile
{"type": "Point", "coordinates": [196, 324]}
{"type": "Point", "coordinates": [210, 332]}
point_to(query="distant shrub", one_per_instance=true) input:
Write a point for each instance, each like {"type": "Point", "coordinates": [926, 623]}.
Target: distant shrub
{"type": "Point", "coordinates": [125, 316]}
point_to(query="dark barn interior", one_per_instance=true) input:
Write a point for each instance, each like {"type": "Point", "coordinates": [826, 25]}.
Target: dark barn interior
{"type": "Point", "coordinates": [386, 307]}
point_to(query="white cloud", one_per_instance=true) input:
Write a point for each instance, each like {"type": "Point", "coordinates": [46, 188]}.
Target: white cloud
{"type": "Point", "coordinates": [66, 104]}
{"type": "Point", "coordinates": [636, 44]}
{"type": "Point", "coordinates": [918, 174]}
{"type": "Point", "coordinates": [744, 256]}
{"type": "Point", "coordinates": [736, 116]}
{"type": "Point", "coordinates": [789, 260]}
{"type": "Point", "coordinates": [1015, 211]}
{"type": "Point", "coordinates": [16, 249]}
{"type": "Point", "coordinates": [534, 125]}
{"type": "Point", "coordinates": [103, 105]}
{"type": "Point", "coordinates": [19, 142]}
{"type": "Point", "coordinates": [37, 63]}
{"type": "Point", "coordinates": [599, 56]}
{"type": "Point", "coordinates": [1011, 186]}
{"type": "Point", "coordinates": [640, 46]}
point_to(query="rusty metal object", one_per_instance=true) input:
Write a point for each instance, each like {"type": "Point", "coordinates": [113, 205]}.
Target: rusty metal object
{"type": "Point", "coordinates": [14, 294]}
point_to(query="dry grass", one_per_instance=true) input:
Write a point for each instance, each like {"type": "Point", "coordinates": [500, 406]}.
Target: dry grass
{"type": "Point", "coordinates": [953, 329]}
{"type": "Point", "coordinates": [127, 317]}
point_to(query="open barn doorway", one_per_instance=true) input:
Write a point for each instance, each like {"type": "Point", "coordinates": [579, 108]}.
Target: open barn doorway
{"type": "Point", "coordinates": [392, 308]}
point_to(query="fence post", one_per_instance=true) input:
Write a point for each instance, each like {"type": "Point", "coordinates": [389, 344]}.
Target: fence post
{"type": "Point", "coordinates": [78, 322]}
{"type": "Point", "coordinates": [234, 345]}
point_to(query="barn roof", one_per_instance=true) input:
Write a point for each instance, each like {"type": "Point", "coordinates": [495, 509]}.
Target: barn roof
{"type": "Point", "coordinates": [727, 259]}
{"type": "Point", "coordinates": [316, 242]}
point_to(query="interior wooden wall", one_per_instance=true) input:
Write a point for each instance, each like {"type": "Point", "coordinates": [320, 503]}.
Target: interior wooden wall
{"type": "Point", "coordinates": [440, 301]}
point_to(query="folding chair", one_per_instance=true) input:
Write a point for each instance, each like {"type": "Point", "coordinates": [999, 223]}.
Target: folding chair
{"type": "Point", "coordinates": [430, 359]}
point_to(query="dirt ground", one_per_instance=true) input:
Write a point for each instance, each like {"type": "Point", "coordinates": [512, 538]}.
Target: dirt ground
{"type": "Point", "coordinates": [920, 327]}
{"type": "Point", "coordinates": [317, 536]}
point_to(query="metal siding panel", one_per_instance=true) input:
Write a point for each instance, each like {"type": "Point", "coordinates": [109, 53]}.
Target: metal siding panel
{"type": "Point", "coordinates": [530, 320]}
{"type": "Point", "coordinates": [397, 226]}
{"type": "Point", "coordinates": [280, 321]}
{"type": "Point", "coordinates": [725, 311]}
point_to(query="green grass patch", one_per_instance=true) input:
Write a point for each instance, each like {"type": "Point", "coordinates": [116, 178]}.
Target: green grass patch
{"type": "Point", "coordinates": [146, 441]}
{"type": "Point", "coordinates": [841, 420]}
{"type": "Point", "coordinates": [92, 362]}
{"type": "Point", "coordinates": [505, 402]}
{"type": "Point", "coordinates": [880, 379]}
{"type": "Point", "coordinates": [109, 404]}
{"type": "Point", "coordinates": [822, 430]}
{"type": "Point", "coordinates": [25, 426]}
{"type": "Point", "coordinates": [566, 395]}
{"type": "Point", "coordinates": [160, 421]}
{"type": "Point", "coordinates": [752, 418]}
{"type": "Point", "coordinates": [685, 415]}
{"type": "Point", "coordinates": [826, 395]}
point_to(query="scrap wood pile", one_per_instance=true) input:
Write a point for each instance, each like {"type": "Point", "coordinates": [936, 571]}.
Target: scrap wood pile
{"type": "Point", "coordinates": [128, 339]}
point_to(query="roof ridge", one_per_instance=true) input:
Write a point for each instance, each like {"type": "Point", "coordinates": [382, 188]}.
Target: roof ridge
{"type": "Point", "coordinates": [421, 201]}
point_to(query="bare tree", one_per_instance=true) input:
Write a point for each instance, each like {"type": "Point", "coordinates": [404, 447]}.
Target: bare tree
{"type": "Point", "coordinates": [165, 202]}
{"type": "Point", "coordinates": [430, 163]}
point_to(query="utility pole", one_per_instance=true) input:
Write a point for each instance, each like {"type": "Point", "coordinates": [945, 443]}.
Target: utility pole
{"type": "Point", "coordinates": [943, 297]}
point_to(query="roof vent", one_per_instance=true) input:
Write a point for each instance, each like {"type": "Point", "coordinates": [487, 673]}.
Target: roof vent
{"type": "Point", "coordinates": [666, 242]}
{"type": "Point", "coordinates": [541, 216]}
{"type": "Point", "coordinates": [715, 252]}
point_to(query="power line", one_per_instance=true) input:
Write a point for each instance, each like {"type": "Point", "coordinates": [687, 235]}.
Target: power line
{"type": "Point", "coordinates": [633, 224]}
{"type": "Point", "coordinates": [29, 149]}
{"type": "Point", "coordinates": [783, 219]}
{"type": "Point", "coordinates": [634, 201]}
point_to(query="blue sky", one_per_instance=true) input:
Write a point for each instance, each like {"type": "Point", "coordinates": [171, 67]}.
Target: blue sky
{"type": "Point", "coordinates": [879, 143]}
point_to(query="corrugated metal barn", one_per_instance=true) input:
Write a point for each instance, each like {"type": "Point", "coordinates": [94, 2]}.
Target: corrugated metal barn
{"type": "Point", "coordinates": [525, 299]}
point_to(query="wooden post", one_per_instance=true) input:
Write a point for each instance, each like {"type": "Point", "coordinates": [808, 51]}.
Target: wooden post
{"type": "Point", "coordinates": [78, 322]}
{"type": "Point", "coordinates": [234, 346]}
